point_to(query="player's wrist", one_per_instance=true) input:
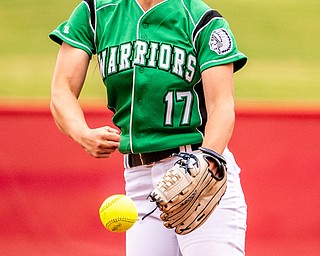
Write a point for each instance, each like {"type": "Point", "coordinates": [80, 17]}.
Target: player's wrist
{"type": "Point", "coordinates": [80, 135]}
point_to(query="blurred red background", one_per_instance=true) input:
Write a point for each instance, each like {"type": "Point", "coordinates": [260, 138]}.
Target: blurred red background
{"type": "Point", "coordinates": [51, 190]}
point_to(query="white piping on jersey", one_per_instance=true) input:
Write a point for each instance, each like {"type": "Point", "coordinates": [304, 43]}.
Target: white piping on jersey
{"type": "Point", "coordinates": [219, 60]}
{"type": "Point", "coordinates": [94, 29]}
{"type": "Point", "coordinates": [132, 103]}
{"type": "Point", "coordinates": [96, 19]}
{"type": "Point", "coordinates": [215, 18]}
{"type": "Point", "coordinates": [104, 6]}
{"type": "Point", "coordinates": [144, 12]}
{"type": "Point", "coordinates": [194, 26]}
{"type": "Point", "coordinates": [95, 26]}
{"type": "Point", "coordinates": [140, 6]}
{"type": "Point", "coordinates": [185, 7]}
{"type": "Point", "coordinates": [89, 21]}
{"type": "Point", "coordinates": [134, 71]}
{"type": "Point", "coordinates": [70, 40]}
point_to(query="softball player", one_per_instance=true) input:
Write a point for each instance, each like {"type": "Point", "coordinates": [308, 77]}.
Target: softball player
{"type": "Point", "coordinates": [168, 68]}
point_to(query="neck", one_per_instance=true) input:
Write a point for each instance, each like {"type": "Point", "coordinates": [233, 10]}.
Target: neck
{"type": "Point", "coordinates": [147, 4]}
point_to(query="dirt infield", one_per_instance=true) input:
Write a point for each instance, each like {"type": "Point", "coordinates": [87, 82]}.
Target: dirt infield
{"type": "Point", "coordinates": [50, 189]}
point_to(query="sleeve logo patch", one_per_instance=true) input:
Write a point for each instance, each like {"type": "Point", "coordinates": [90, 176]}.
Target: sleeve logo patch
{"type": "Point", "coordinates": [220, 41]}
{"type": "Point", "coordinates": [66, 29]}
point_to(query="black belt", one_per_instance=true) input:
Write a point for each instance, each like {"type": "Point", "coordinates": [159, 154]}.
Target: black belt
{"type": "Point", "coordinates": [149, 158]}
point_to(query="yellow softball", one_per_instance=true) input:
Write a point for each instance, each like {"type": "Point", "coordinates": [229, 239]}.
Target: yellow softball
{"type": "Point", "coordinates": [118, 213]}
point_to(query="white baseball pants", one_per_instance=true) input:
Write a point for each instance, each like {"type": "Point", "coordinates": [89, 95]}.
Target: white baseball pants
{"type": "Point", "coordinates": [223, 234]}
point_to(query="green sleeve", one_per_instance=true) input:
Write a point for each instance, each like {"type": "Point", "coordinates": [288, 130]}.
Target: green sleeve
{"type": "Point", "coordinates": [77, 30]}
{"type": "Point", "coordinates": [216, 46]}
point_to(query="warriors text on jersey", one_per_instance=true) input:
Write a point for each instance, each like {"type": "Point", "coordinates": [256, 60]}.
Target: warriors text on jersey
{"type": "Point", "coordinates": [151, 64]}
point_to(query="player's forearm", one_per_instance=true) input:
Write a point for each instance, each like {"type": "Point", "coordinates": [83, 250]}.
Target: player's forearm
{"type": "Point", "coordinates": [67, 113]}
{"type": "Point", "coordinates": [218, 89]}
{"type": "Point", "coordinates": [219, 127]}
{"type": "Point", "coordinates": [67, 82]}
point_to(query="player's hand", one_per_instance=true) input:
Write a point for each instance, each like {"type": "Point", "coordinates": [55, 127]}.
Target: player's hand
{"type": "Point", "coordinates": [100, 142]}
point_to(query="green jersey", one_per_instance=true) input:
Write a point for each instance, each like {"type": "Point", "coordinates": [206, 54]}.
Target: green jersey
{"type": "Point", "coordinates": [151, 64]}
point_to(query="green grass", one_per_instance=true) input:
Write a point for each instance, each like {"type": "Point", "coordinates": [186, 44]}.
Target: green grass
{"type": "Point", "coordinates": [28, 55]}
{"type": "Point", "coordinates": [279, 37]}
{"type": "Point", "coordinates": [281, 40]}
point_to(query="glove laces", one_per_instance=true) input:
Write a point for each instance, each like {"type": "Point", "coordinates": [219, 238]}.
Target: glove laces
{"type": "Point", "coordinates": [185, 161]}
{"type": "Point", "coordinates": [186, 164]}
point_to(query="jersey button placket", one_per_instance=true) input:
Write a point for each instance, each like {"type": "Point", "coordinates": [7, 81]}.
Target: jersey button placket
{"type": "Point", "coordinates": [145, 26]}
